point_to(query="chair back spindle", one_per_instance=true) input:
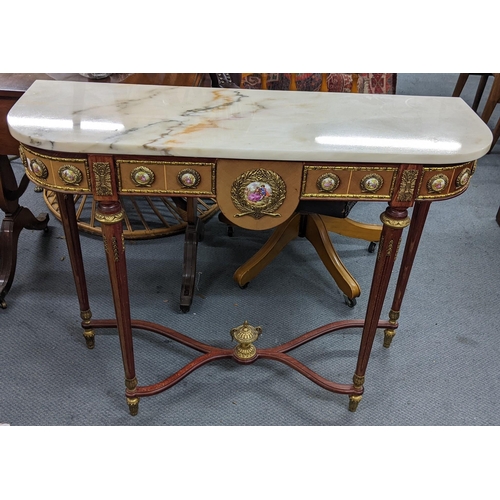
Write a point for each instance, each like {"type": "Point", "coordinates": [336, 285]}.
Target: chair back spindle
{"type": "Point", "coordinates": [354, 88]}
{"type": "Point", "coordinates": [264, 80]}
{"type": "Point", "coordinates": [324, 82]}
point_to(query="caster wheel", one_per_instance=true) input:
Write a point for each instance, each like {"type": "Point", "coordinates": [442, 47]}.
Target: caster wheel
{"type": "Point", "coordinates": [243, 286]}
{"type": "Point", "coordinates": [230, 231]}
{"type": "Point", "coordinates": [3, 304]}
{"type": "Point", "coordinates": [349, 302]}
{"type": "Point", "coordinates": [185, 309]}
{"type": "Point", "coordinates": [372, 246]}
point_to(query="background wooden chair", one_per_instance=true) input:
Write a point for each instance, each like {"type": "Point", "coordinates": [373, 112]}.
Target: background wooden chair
{"type": "Point", "coordinates": [312, 219]}
{"type": "Point", "coordinates": [462, 80]}
{"type": "Point", "coordinates": [491, 102]}
{"type": "Point", "coordinates": [489, 107]}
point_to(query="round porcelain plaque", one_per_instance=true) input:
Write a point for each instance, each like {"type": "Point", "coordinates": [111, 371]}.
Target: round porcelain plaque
{"type": "Point", "coordinates": [437, 183]}
{"type": "Point", "coordinates": [39, 168]}
{"type": "Point", "coordinates": [142, 176]}
{"type": "Point", "coordinates": [371, 183]}
{"type": "Point", "coordinates": [189, 178]}
{"type": "Point", "coordinates": [70, 174]}
{"type": "Point", "coordinates": [328, 182]}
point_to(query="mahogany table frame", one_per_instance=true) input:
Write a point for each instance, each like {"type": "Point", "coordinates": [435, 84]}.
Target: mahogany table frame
{"type": "Point", "coordinates": [412, 186]}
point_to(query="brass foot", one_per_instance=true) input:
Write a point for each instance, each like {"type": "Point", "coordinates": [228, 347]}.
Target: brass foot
{"type": "Point", "coordinates": [388, 336]}
{"type": "Point", "coordinates": [133, 406]}
{"type": "Point", "coordinates": [390, 332]}
{"type": "Point", "coordinates": [88, 333]}
{"type": "Point", "coordinates": [89, 337]}
{"type": "Point", "coordinates": [354, 402]}
{"type": "Point", "coordinates": [354, 399]}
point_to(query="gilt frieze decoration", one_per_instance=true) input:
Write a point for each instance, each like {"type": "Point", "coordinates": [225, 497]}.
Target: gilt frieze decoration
{"type": "Point", "coordinates": [102, 172]}
{"type": "Point", "coordinates": [408, 181]}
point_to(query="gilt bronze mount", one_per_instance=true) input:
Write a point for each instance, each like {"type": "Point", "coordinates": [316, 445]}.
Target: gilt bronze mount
{"type": "Point", "coordinates": [245, 335]}
{"type": "Point", "coordinates": [258, 193]}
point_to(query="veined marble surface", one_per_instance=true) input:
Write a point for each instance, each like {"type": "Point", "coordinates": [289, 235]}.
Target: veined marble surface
{"type": "Point", "coordinates": [247, 124]}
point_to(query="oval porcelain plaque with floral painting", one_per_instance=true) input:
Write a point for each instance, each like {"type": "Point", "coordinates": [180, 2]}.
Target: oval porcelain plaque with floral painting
{"type": "Point", "coordinates": [258, 193]}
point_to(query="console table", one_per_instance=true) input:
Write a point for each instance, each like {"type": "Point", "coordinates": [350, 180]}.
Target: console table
{"type": "Point", "coordinates": [259, 153]}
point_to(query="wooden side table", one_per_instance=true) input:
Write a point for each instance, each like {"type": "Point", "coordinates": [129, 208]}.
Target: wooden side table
{"type": "Point", "coordinates": [16, 217]}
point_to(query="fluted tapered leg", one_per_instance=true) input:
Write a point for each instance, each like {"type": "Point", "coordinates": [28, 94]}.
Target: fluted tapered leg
{"type": "Point", "coordinates": [415, 232]}
{"type": "Point", "coordinates": [394, 221]}
{"type": "Point", "coordinates": [70, 226]}
{"type": "Point", "coordinates": [110, 215]}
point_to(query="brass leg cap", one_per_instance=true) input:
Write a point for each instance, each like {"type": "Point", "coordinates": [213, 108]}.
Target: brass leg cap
{"type": "Point", "coordinates": [133, 406]}
{"type": "Point", "coordinates": [89, 339]}
{"type": "Point", "coordinates": [388, 336]}
{"type": "Point", "coordinates": [354, 402]}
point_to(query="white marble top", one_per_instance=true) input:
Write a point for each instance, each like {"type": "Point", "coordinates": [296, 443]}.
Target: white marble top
{"type": "Point", "coordinates": [247, 124]}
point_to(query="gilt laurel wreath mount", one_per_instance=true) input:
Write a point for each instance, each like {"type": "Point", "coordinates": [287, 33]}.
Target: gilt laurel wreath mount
{"type": "Point", "coordinates": [258, 193]}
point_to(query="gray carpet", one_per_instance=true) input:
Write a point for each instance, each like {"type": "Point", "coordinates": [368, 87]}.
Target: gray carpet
{"type": "Point", "coordinates": [442, 368]}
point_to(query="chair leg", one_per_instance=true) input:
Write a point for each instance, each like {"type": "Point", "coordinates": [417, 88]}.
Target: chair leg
{"type": "Point", "coordinates": [353, 229]}
{"type": "Point", "coordinates": [281, 236]}
{"type": "Point", "coordinates": [317, 234]}
{"type": "Point", "coordinates": [194, 234]}
{"type": "Point", "coordinates": [316, 231]}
